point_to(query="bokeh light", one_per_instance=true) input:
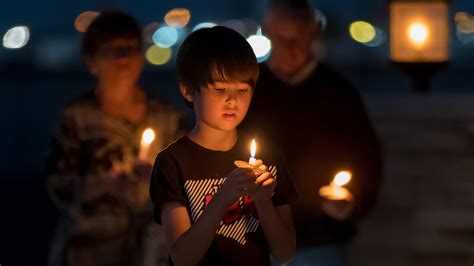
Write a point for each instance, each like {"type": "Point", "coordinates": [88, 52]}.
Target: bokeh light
{"type": "Point", "coordinates": [165, 37]}
{"type": "Point", "coordinates": [362, 31]}
{"type": "Point", "coordinates": [261, 46]}
{"type": "Point", "coordinates": [464, 27]}
{"type": "Point", "coordinates": [465, 38]}
{"type": "Point", "coordinates": [157, 55]}
{"type": "Point", "coordinates": [182, 34]}
{"type": "Point", "coordinates": [321, 18]}
{"type": "Point", "coordinates": [84, 19]}
{"type": "Point", "coordinates": [379, 39]}
{"type": "Point", "coordinates": [16, 37]}
{"type": "Point", "coordinates": [178, 17]}
{"type": "Point", "coordinates": [464, 22]}
{"type": "Point", "coordinates": [418, 33]}
{"type": "Point", "coordinates": [203, 25]}
{"type": "Point", "coordinates": [149, 30]}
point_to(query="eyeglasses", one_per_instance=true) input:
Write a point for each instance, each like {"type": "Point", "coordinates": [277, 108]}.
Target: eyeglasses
{"type": "Point", "coordinates": [117, 52]}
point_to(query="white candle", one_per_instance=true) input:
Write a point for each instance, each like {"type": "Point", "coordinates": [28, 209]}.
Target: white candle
{"type": "Point", "coordinates": [335, 190]}
{"type": "Point", "coordinates": [253, 151]}
{"type": "Point", "coordinates": [147, 138]}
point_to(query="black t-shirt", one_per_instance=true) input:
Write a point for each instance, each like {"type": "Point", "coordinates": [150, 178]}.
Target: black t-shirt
{"type": "Point", "coordinates": [190, 174]}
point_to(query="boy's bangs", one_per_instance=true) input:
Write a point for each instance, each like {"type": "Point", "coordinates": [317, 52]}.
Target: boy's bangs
{"type": "Point", "coordinates": [234, 70]}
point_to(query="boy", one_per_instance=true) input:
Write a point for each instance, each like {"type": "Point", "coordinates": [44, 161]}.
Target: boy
{"type": "Point", "coordinates": [212, 212]}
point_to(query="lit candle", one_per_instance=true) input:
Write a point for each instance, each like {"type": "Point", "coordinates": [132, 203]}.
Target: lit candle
{"type": "Point", "coordinates": [147, 138]}
{"type": "Point", "coordinates": [253, 151]}
{"type": "Point", "coordinates": [335, 191]}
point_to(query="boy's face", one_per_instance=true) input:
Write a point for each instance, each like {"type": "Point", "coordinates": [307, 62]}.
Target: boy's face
{"type": "Point", "coordinates": [221, 105]}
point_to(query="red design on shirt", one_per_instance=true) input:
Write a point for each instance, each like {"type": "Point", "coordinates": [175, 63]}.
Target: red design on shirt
{"type": "Point", "coordinates": [235, 211]}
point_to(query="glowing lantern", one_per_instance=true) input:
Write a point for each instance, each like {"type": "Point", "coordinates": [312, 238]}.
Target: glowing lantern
{"type": "Point", "coordinates": [419, 44]}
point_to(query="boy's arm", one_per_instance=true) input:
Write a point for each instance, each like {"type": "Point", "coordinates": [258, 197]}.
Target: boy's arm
{"type": "Point", "coordinates": [277, 225]}
{"type": "Point", "coordinates": [276, 222]}
{"type": "Point", "coordinates": [189, 243]}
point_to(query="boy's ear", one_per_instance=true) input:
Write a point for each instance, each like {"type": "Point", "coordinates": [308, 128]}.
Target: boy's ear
{"type": "Point", "coordinates": [184, 91]}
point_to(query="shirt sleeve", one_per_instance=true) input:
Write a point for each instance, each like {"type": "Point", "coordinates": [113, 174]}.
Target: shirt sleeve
{"type": "Point", "coordinates": [165, 184]}
{"type": "Point", "coordinates": [285, 192]}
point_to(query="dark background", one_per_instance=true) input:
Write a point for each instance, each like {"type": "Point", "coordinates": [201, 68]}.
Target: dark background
{"type": "Point", "coordinates": [37, 80]}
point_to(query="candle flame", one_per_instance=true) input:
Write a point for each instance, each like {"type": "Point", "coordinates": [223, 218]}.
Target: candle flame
{"type": "Point", "coordinates": [418, 33]}
{"type": "Point", "coordinates": [253, 148]}
{"type": "Point", "coordinates": [148, 136]}
{"type": "Point", "coordinates": [342, 178]}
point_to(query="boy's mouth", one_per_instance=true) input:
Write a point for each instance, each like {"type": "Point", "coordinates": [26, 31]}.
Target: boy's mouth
{"type": "Point", "coordinates": [230, 116]}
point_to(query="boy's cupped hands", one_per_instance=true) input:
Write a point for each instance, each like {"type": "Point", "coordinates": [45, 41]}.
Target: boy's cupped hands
{"type": "Point", "coordinates": [264, 180]}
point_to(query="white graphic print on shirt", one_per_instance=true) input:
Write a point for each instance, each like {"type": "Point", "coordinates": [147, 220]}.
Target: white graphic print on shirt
{"type": "Point", "coordinates": [239, 219]}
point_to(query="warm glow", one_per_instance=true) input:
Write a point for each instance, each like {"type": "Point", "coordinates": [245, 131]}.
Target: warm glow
{"type": "Point", "coordinates": [334, 192]}
{"type": "Point", "coordinates": [253, 148]}
{"type": "Point", "coordinates": [362, 31]}
{"type": "Point", "coordinates": [178, 17]}
{"type": "Point", "coordinates": [418, 33]}
{"type": "Point", "coordinates": [16, 37]}
{"type": "Point", "coordinates": [148, 136]}
{"type": "Point", "coordinates": [342, 178]}
{"type": "Point", "coordinates": [339, 193]}
{"type": "Point", "coordinates": [84, 19]}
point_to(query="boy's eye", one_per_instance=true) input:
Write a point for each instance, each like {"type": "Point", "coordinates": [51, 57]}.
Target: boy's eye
{"type": "Point", "coordinates": [219, 89]}
{"type": "Point", "coordinates": [243, 90]}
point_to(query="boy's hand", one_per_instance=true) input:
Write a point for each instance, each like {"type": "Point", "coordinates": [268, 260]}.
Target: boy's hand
{"type": "Point", "coordinates": [265, 182]}
{"type": "Point", "coordinates": [239, 182]}
{"type": "Point", "coordinates": [266, 186]}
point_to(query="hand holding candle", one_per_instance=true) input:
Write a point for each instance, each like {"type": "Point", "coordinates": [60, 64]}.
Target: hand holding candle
{"type": "Point", "coordinates": [147, 138]}
{"type": "Point", "coordinates": [335, 190]}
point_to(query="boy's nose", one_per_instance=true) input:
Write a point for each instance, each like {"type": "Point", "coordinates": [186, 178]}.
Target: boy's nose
{"type": "Point", "coordinates": [231, 97]}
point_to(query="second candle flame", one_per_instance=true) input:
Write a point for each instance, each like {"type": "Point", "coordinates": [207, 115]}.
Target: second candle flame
{"type": "Point", "coordinates": [342, 178]}
{"type": "Point", "coordinates": [148, 136]}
